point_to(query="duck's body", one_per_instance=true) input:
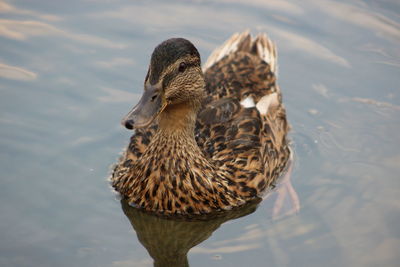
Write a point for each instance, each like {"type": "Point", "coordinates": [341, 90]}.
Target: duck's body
{"type": "Point", "coordinates": [217, 141]}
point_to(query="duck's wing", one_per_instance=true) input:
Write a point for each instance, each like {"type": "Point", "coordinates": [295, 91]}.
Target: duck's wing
{"type": "Point", "coordinates": [243, 122]}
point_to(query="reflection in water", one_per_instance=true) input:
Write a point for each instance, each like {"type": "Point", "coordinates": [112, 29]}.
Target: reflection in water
{"type": "Point", "coordinates": [169, 240]}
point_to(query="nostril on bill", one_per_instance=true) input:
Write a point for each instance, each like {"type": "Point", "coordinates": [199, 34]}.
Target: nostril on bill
{"type": "Point", "coordinates": [129, 124]}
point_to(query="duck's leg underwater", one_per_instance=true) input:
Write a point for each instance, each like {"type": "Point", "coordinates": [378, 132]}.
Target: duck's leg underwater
{"type": "Point", "coordinates": [285, 189]}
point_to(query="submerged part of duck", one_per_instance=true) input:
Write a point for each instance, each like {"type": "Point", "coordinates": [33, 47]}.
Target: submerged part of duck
{"type": "Point", "coordinates": [205, 140]}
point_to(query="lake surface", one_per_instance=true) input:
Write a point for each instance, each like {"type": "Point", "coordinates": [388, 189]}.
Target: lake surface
{"type": "Point", "coordinates": [70, 70]}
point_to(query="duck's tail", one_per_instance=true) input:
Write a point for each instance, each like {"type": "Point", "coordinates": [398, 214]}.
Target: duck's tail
{"type": "Point", "coordinates": [261, 46]}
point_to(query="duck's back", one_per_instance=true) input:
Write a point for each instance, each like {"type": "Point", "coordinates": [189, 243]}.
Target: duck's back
{"type": "Point", "coordinates": [242, 126]}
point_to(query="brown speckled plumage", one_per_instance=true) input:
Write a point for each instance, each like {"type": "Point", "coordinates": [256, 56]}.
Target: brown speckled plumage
{"type": "Point", "coordinates": [206, 151]}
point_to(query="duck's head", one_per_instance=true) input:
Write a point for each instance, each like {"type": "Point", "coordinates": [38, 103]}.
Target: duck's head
{"type": "Point", "coordinates": [174, 77]}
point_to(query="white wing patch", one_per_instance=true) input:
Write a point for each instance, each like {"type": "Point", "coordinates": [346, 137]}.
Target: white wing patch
{"type": "Point", "coordinates": [266, 102]}
{"type": "Point", "coordinates": [248, 102]}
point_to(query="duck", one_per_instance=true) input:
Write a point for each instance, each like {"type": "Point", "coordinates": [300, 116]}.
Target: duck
{"type": "Point", "coordinates": [205, 139]}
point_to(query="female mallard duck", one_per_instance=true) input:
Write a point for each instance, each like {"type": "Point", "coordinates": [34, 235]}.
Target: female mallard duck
{"type": "Point", "coordinates": [205, 142]}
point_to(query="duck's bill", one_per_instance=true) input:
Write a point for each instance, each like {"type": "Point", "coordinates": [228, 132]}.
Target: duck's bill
{"type": "Point", "coordinates": [144, 113]}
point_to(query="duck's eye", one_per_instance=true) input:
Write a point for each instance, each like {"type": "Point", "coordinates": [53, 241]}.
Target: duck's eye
{"type": "Point", "coordinates": [182, 67]}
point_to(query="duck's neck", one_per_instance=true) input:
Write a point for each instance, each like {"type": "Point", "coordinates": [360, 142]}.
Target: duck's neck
{"type": "Point", "coordinates": [174, 139]}
{"type": "Point", "coordinates": [178, 119]}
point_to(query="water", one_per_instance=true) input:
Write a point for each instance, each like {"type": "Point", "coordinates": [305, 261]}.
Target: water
{"type": "Point", "coordinates": [70, 71]}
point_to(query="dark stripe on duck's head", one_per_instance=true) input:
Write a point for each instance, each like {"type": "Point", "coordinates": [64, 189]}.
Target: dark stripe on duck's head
{"type": "Point", "coordinates": [169, 52]}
